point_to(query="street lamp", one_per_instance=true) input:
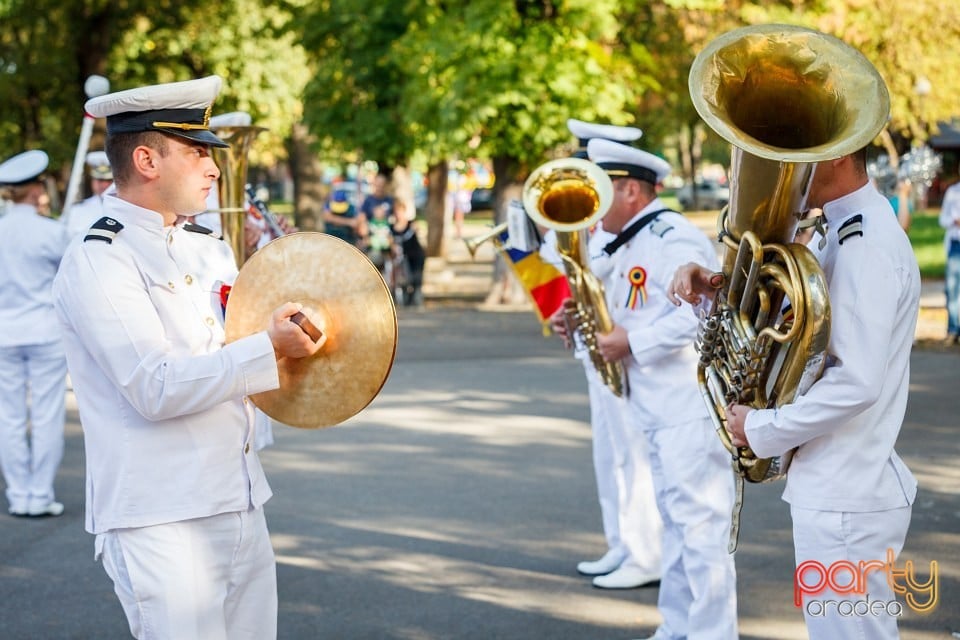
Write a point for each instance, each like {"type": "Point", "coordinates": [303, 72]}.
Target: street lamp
{"type": "Point", "coordinates": [94, 86]}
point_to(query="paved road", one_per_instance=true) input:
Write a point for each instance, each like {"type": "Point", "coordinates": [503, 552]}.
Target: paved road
{"type": "Point", "coordinates": [457, 504]}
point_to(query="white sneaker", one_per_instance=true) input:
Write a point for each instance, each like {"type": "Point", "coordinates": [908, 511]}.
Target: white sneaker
{"type": "Point", "coordinates": [627, 576]}
{"type": "Point", "coordinates": [609, 562]}
{"type": "Point", "coordinates": [51, 509]}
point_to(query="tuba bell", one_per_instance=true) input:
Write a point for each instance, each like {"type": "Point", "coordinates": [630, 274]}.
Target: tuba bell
{"type": "Point", "coordinates": [231, 187]}
{"type": "Point", "coordinates": [785, 98]}
{"type": "Point", "coordinates": [569, 196]}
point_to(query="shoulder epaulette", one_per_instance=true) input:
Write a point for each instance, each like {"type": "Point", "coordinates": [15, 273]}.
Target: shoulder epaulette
{"type": "Point", "coordinates": [199, 228]}
{"type": "Point", "coordinates": [105, 229]}
{"type": "Point", "coordinates": [851, 227]}
{"type": "Point", "coordinates": [660, 227]}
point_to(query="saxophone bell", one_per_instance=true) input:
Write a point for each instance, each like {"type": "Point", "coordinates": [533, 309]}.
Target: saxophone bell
{"type": "Point", "coordinates": [569, 196]}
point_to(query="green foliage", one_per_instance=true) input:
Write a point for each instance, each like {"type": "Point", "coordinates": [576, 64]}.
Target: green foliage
{"type": "Point", "coordinates": [49, 47]}
{"type": "Point", "coordinates": [926, 237]}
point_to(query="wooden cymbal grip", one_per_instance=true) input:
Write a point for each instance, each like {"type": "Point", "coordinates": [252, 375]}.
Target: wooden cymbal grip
{"type": "Point", "coordinates": [308, 327]}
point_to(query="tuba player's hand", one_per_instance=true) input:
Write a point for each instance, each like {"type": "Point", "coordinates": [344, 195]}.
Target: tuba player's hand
{"type": "Point", "coordinates": [289, 340]}
{"type": "Point", "coordinates": [736, 424]}
{"type": "Point", "coordinates": [692, 281]}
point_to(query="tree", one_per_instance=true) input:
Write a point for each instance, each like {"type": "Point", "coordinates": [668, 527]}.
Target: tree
{"type": "Point", "coordinates": [48, 49]}
{"type": "Point", "coordinates": [500, 79]}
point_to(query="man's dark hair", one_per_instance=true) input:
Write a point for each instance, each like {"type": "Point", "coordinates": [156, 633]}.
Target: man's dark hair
{"type": "Point", "coordinates": [119, 148]}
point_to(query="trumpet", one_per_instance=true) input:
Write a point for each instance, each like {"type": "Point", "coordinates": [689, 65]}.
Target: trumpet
{"type": "Point", "coordinates": [474, 243]}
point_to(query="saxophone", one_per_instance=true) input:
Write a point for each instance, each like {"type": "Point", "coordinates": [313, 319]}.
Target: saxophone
{"type": "Point", "coordinates": [570, 195]}
{"type": "Point", "coordinates": [785, 98]}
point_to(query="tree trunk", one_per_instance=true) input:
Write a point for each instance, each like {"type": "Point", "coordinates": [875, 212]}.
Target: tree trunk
{"type": "Point", "coordinates": [307, 174]}
{"type": "Point", "coordinates": [436, 206]}
{"type": "Point", "coordinates": [402, 183]}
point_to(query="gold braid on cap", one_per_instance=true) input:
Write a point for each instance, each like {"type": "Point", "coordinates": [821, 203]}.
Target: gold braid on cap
{"type": "Point", "coordinates": [186, 126]}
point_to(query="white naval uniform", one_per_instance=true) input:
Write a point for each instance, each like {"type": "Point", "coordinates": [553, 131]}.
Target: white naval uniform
{"type": "Point", "coordinates": [32, 362]}
{"type": "Point", "coordinates": [631, 522]}
{"type": "Point", "coordinates": [83, 214]}
{"type": "Point", "coordinates": [849, 420]}
{"type": "Point", "coordinates": [691, 469]}
{"type": "Point", "coordinates": [168, 431]}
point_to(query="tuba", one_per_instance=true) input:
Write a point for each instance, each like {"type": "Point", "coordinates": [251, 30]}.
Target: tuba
{"type": "Point", "coordinates": [232, 162]}
{"type": "Point", "coordinates": [785, 98]}
{"type": "Point", "coordinates": [569, 196]}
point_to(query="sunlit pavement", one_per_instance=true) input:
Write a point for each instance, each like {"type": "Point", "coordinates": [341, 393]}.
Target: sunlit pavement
{"type": "Point", "coordinates": [458, 503]}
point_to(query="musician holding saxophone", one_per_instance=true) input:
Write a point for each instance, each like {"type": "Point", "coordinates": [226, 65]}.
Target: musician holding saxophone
{"type": "Point", "coordinates": [654, 340]}
{"type": "Point", "coordinates": [847, 422]}
{"type": "Point", "coordinates": [174, 486]}
{"type": "Point", "coordinates": [631, 522]}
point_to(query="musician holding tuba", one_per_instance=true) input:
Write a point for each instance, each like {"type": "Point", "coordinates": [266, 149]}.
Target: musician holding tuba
{"type": "Point", "coordinates": [631, 522]}
{"type": "Point", "coordinates": [847, 422]}
{"type": "Point", "coordinates": [174, 486]}
{"type": "Point", "coordinates": [654, 339]}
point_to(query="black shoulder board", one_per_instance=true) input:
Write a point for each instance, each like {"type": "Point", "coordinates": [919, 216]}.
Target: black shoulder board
{"type": "Point", "coordinates": [851, 227]}
{"type": "Point", "coordinates": [199, 228]}
{"type": "Point", "coordinates": [660, 227]}
{"type": "Point", "coordinates": [105, 229]}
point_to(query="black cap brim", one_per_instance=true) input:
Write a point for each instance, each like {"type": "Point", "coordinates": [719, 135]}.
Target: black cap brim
{"type": "Point", "coordinates": [203, 136]}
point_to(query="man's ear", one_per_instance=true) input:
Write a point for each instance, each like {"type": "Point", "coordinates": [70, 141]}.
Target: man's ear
{"type": "Point", "coordinates": [145, 161]}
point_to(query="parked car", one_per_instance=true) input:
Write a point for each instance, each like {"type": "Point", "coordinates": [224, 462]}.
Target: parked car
{"type": "Point", "coordinates": [710, 195]}
{"type": "Point", "coordinates": [481, 199]}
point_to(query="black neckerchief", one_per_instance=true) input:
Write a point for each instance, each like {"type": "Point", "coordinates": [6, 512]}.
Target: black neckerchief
{"type": "Point", "coordinates": [624, 236]}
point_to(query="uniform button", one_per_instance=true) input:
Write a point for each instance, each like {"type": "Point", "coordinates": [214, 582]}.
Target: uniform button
{"type": "Point", "coordinates": [246, 448]}
{"type": "Point", "coordinates": [209, 322]}
{"type": "Point", "coordinates": [170, 239]}
{"type": "Point", "coordinates": [171, 284]}
{"type": "Point", "coordinates": [188, 279]}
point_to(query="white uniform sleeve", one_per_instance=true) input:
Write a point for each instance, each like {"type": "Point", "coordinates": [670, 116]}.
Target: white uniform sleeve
{"type": "Point", "coordinates": [677, 327]}
{"type": "Point", "coordinates": [950, 208]}
{"type": "Point", "coordinates": [109, 309]}
{"type": "Point", "coordinates": [863, 304]}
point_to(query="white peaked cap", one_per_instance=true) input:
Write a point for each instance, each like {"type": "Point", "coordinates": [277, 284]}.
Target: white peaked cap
{"type": "Point", "coordinates": [587, 130]}
{"type": "Point", "coordinates": [23, 167]}
{"type": "Point", "coordinates": [622, 161]}
{"type": "Point", "coordinates": [232, 119]}
{"type": "Point", "coordinates": [177, 108]}
{"type": "Point", "coordinates": [99, 165]}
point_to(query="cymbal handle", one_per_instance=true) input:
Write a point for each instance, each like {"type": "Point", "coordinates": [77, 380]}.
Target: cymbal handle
{"type": "Point", "coordinates": [308, 327]}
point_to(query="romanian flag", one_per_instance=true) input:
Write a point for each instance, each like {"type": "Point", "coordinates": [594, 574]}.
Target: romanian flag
{"type": "Point", "coordinates": [545, 284]}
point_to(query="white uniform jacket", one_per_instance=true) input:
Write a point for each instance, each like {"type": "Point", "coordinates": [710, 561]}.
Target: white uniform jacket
{"type": "Point", "coordinates": [848, 421]}
{"type": "Point", "coordinates": [663, 367]}
{"type": "Point", "coordinates": [83, 214]}
{"type": "Point", "coordinates": [167, 428]}
{"type": "Point", "coordinates": [32, 247]}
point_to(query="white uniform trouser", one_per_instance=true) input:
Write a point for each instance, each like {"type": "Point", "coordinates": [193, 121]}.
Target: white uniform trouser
{"type": "Point", "coordinates": [624, 481]}
{"type": "Point", "coordinates": [205, 579]}
{"type": "Point", "coordinates": [33, 387]}
{"type": "Point", "coordinates": [608, 473]}
{"type": "Point", "coordinates": [695, 491]}
{"type": "Point", "coordinates": [832, 536]}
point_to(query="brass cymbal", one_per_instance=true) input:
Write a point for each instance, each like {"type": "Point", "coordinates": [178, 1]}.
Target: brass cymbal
{"type": "Point", "coordinates": [344, 294]}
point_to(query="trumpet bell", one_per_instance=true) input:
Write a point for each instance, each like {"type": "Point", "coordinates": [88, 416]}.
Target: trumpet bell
{"type": "Point", "coordinates": [351, 305]}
